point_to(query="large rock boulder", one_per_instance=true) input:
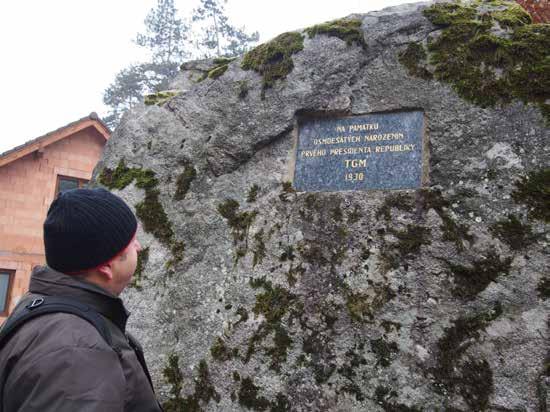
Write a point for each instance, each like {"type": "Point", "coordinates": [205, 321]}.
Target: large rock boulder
{"type": "Point", "coordinates": [250, 295]}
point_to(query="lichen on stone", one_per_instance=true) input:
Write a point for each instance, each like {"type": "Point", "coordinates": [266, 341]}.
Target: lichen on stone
{"type": "Point", "coordinates": [534, 191]}
{"type": "Point", "coordinates": [348, 30]}
{"type": "Point", "coordinates": [159, 98]}
{"type": "Point", "coordinates": [273, 60]}
{"type": "Point", "coordinates": [485, 68]}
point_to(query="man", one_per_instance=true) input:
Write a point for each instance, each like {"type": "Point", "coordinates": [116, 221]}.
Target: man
{"type": "Point", "coordinates": [60, 361]}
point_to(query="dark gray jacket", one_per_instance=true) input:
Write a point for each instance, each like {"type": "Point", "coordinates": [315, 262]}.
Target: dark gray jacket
{"type": "Point", "coordinates": [59, 362]}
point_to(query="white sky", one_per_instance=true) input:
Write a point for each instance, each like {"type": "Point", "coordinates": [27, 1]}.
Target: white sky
{"type": "Point", "coordinates": [58, 56]}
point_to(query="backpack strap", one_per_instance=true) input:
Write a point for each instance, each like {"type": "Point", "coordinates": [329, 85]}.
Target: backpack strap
{"type": "Point", "coordinates": [138, 350]}
{"type": "Point", "coordinates": [53, 304]}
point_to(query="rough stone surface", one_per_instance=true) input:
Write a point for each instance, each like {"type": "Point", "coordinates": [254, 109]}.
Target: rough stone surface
{"type": "Point", "coordinates": [343, 301]}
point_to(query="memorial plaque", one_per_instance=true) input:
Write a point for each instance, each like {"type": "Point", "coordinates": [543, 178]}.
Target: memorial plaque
{"type": "Point", "coordinates": [373, 151]}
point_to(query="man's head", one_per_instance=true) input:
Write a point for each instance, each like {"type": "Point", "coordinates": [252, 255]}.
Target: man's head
{"type": "Point", "coordinates": [92, 232]}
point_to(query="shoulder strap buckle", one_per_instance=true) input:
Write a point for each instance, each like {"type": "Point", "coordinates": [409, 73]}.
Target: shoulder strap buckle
{"type": "Point", "coordinates": [35, 303]}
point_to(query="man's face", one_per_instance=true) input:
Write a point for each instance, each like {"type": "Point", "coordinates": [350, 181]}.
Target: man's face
{"type": "Point", "coordinates": [124, 266]}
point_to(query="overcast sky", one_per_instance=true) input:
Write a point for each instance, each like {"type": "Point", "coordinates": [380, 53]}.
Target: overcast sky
{"type": "Point", "coordinates": [58, 56]}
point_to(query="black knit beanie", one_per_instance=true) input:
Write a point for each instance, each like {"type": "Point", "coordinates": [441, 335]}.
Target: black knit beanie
{"type": "Point", "coordinates": [85, 228]}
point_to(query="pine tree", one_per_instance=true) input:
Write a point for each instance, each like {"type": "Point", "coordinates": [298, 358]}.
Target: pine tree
{"type": "Point", "coordinates": [166, 38]}
{"type": "Point", "coordinates": [219, 37]}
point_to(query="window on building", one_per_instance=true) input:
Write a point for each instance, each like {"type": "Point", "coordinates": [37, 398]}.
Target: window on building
{"type": "Point", "coordinates": [6, 277]}
{"type": "Point", "coordinates": [68, 183]}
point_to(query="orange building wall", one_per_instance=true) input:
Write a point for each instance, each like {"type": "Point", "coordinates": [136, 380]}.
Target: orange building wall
{"type": "Point", "coordinates": [27, 188]}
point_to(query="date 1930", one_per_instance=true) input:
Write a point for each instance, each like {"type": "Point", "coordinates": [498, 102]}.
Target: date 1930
{"type": "Point", "coordinates": [353, 177]}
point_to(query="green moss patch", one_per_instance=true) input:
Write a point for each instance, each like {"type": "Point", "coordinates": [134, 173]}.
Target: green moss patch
{"type": "Point", "coordinates": [362, 306]}
{"type": "Point", "coordinates": [248, 396]}
{"type": "Point", "coordinates": [482, 67]}
{"type": "Point", "coordinates": [174, 377]}
{"type": "Point", "coordinates": [142, 259]}
{"type": "Point", "coordinates": [414, 58]}
{"type": "Point", "coordinates": [122, 176]}
{"type": "Point", "coordinates": [183, 182]}
{"type": "Point", "coordinates": [273, 60]}
{"type": "Point", "coordinates": [273, 303]}
{"type": "Point", "coordinates": [154, 218]}
{"type": "Point", "coordinates": [259, 249]}
{"type": "Point", "coordinates": [513, 232]}
{"type": "Point", "coordinates": [458, 373]}
{"type": "Point", "coordinates": [348, 30]}
{"type": "Point", "coordinates": [469, 281]}
{"type": "Point", "coordinates": [160, 98]}
{"type": "Point", "coordinates": [534, 191]}
{"type": "Point", "coordinates": [217, 71]}
{"type": "Point", "coordinates": [252, 193]}
{"type": "Point", "coordinates": [203, 394]}
{"type": "Point", "coordinates": [452, 231]}
{"type": "Point", "coordinates": [543, 288]}
{"type": "Point", "coordinates": [220, 351]}
{"type": "Point", "coordinates": [149, 211]}
{"type": "Point", "coordinates": [384, 351]}
{"type": "Point", "coordinates": [239, 222]}
{"type": "Point", "coordinates": [384, 397]}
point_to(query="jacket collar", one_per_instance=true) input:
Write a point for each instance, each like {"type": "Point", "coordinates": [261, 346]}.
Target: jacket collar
{"type": "Point", "coordinates": [49, 282]}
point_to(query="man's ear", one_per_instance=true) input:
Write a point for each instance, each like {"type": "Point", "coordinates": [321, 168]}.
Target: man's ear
{"type": "Point", "coordinates": [106, 270]}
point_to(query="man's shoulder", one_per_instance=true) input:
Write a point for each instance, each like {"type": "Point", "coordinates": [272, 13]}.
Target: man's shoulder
{"type": "Point", "coordinates": [56, 331]}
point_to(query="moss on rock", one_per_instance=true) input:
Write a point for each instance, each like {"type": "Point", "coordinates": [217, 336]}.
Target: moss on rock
{"type": "Point", "coordinates": [469, 281]}
{"type": "Point", "coordinates": [183, 182]}
{"type": "Point", "coordinates": [414, 59]}
{"type": "Point", "coordinates": [543, 288]}
{"type": "Point", "coordinates": [383, 351]}
{"type": "Point", "coordinates": [273, 60]}
{"type": "Point", "coordinates": [252, 193]}
{"type": "Point", "coordinates": [513, 232]}
{"type": "Point", "coordinates": [217, 71]}
{"type": "Point", "coordinates": [534, 191]}
{"type": "Point", "coordinates": [362, 306]}
{"type": "Point", "coordinates": [142, 259]}
{"type": "Point", "coordinates": [273, 304]}
{"type": "Point", "coordinates": [248, 396]}
{"type": "Point", "coordinates": [154, 218]}
{"type": "Point", "coordinates": [160, 98]}
{"type": "Point", "coordinates": [471, 378]}
{"type": "Point", "coordinates": [150, 211]}
{"type": "Point", "coordinates": [348, 30]}
{"type": "Point", "coordinates": [482, 67]}
{"type": "Point", "coordinates": [220, 351]}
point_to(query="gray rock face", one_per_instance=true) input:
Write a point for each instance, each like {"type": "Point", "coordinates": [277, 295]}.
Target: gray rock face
{"type": "Point", "coordinates": [344, 301]}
